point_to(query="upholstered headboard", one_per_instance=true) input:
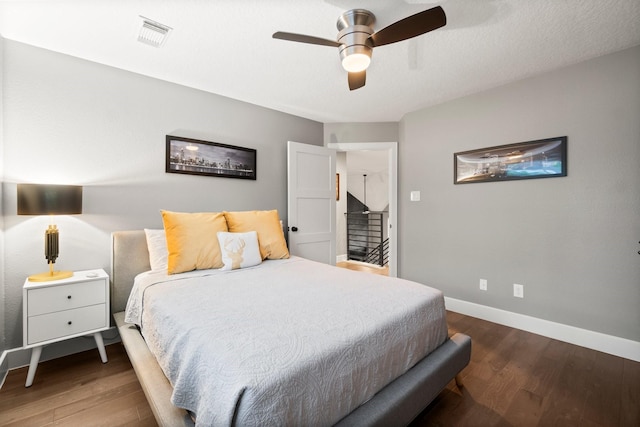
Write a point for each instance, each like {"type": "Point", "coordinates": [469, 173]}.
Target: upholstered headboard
{"type": "Point", "coordinates": [129, 257]}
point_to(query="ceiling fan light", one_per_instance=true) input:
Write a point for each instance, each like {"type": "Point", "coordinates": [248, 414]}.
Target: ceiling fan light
{"type": "Point", "coordinates": [356, 62]}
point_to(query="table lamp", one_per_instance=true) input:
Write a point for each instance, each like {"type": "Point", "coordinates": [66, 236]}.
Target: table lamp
{"type": "Point", "coordinates": [45, 199]}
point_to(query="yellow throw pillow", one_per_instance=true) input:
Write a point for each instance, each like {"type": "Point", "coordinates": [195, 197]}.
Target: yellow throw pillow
{"type": "Point", "coordinates": [192, 240]}
{"type": "Point", "coordinates": [267, 225]}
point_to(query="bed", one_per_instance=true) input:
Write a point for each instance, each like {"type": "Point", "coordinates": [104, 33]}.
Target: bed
{"type": "Point", "coordinates": [383, 401]}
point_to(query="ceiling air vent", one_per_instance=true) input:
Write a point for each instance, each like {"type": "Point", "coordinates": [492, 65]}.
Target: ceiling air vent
{"type": "Point", "coordinates": [153, 33]}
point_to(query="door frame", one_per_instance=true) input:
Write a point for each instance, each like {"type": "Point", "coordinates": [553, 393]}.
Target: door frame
{"type": "Point", "coordinates": [392, 148]}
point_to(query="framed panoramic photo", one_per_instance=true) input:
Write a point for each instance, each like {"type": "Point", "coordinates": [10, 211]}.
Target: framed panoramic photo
{"type": "Point", "coordinates": [195, 157]}
{"type": "Point", "coordinates": [544, 158]}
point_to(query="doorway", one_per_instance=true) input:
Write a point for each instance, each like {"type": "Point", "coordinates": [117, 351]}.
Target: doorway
{"type": "Point", "coordinates": [391, 149]}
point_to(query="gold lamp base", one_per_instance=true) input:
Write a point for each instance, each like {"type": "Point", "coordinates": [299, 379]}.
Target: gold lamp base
{"type": "Point", "coordinates": [45, 277]}
{"type": "Point", "coordinates": [50, 275]}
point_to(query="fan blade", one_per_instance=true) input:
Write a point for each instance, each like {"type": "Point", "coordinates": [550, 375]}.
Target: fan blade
{"type": "Point", "coordinates": [301, 38]}
{"type": "Point", "coordinates": [357, 80]}
{"type": "Point", "coordinates": [411, 26]}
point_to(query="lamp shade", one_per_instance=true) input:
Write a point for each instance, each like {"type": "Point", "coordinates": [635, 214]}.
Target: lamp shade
{"type": "Point", "coordinates": [45, 199]}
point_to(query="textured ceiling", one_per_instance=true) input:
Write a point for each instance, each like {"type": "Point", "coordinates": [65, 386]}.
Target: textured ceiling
{"type": "Point", "coordinates": [225, 47]}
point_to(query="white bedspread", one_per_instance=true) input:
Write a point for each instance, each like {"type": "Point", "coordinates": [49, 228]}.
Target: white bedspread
{"type": "Point", "coordinates": [286, 343]}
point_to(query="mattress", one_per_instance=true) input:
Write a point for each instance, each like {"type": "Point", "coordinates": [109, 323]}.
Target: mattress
{"type": "Point", "coordinates": [288, 342]}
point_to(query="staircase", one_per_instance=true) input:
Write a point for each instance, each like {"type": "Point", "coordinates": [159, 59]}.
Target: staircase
{"type": "Point", "coordinates": [365, 234]}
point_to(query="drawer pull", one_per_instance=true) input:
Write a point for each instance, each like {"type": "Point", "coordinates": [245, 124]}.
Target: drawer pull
{"type": "Point", "coordinates": [69, 322]}
{"type": "Point", "coordinates": [68, 296]}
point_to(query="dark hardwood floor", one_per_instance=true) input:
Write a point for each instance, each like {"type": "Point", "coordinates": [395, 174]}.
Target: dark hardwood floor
{"type": "Point", "coordinates": [77, 390]}
{"type": "Point", "coordinates": [514, 379]}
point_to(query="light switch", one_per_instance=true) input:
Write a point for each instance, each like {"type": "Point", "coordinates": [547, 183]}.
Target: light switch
{"type": "Point", "coordinates": [415, 196]}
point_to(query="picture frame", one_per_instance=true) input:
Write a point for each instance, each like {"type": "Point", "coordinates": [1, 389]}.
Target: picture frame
{"type": "Point", "coordinates": [197, 157]}
{"type": "Point", "coordinates": [543, 158]}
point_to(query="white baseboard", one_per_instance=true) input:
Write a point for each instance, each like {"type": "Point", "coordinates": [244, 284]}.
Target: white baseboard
{"type": "Point", "coordinates": [610, 344]}
{"type": "Point", "coordinates": [4, 367]}
{"type": "Point", "coordinates": [341, 258]}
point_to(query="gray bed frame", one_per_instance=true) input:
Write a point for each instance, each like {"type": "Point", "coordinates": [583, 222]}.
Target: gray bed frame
{"type": "Point", "coordinates": [395, 405]}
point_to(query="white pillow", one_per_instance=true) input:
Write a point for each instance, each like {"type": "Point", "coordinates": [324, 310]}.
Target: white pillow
{"type": "Point", "coordinates": [157, 246]}
{"type": "Point", "coordinates": [239, 250]}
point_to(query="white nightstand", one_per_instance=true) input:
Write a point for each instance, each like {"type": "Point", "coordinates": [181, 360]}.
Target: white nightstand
{"type": "Point", "coordinates": [62, 309]}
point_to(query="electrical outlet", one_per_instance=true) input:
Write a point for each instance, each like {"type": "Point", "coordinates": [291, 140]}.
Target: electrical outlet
{"type": "Point", "coordinates": [518, 290]}
{"type": "Point", "coordinates": [483, 284]}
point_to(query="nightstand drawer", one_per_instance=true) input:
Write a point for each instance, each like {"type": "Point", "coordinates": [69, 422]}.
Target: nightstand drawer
{"type": "Point", "coordinates": [65, 323]}
{"type": "Point", "coordinates": [66, 297]}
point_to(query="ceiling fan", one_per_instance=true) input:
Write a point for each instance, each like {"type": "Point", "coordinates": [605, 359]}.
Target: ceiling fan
{"type": "Point", "coordinates": [356, 38]}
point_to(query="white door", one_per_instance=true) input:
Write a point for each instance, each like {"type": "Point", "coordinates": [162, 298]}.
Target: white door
{"type": "Point", "coordinates": [311, 204]}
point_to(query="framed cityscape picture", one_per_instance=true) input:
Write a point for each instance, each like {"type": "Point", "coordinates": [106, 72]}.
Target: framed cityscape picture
{"type": "Point", "coordinates": [195, 157]}
{"type": "Point", "coordinates": [544, 158]}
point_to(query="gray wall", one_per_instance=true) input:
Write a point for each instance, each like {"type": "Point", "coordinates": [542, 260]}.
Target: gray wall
{"type": "Point", "coordinates": [72, 121]}
{"type": "Point", "coordinates": [360, 132]}
{"type": "Point", "coordinates": [573, 241]}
